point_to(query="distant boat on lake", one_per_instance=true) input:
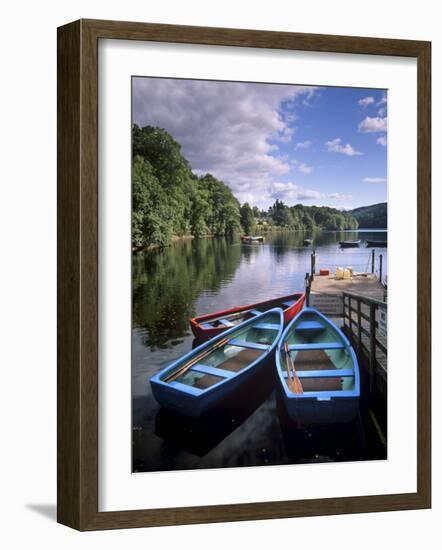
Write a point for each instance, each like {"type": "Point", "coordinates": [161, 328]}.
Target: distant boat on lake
{"type": "Point", "coordinates": [307, 242]}
{"type": "Point", "coordinates": [349, 244]}
{"type": "Point", "coordinates": [377, 244]}
{"type": "Point", "coordinates": [251, 239]}
{"type": "Point", "coordinates": [198, 381]}
{"type": "Point", "coordinates": [211, 324]}
{"type": "Point", "coordinates": [318, 371]}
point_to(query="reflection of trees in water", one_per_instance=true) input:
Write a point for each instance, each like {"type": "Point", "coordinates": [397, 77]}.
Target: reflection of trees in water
{"type": "Point", "coordinates": [166, 282]}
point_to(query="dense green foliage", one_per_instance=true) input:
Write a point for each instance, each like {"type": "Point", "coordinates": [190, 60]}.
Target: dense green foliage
{"type": "Point", "coordinates": [371, 217]}
{"type": "Point", "coordinates": [301, 217]}
{"type": "Point", "coordinates": [247, 218]}
{"type": "Point", "coordinates": [169, 199]}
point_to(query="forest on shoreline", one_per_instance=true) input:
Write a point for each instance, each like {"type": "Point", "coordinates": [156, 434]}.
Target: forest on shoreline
{"type": "Point", "coordinates": [170, 201]}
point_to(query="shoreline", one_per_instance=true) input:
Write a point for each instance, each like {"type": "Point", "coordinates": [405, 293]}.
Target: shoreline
{"type": "Point", "coordinates": [179, 238]}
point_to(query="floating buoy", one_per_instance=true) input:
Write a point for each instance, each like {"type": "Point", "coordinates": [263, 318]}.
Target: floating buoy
{"type": "Point", "coordinates": [324, 272]}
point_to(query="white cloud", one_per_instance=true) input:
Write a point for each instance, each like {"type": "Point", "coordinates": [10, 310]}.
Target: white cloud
{"type": "Point", "coordinates": [382, 112]}
{"type": "Point", "coordinates": [285, 134]}
{"type": "Point", "coordinates": [382, 141]}
{"type": "Point", "coordinates": [382, 101]}
{"type": "Point", "coordinates": [339, 197]}
{"type": "Point", "coordinates": [336, 146]}
{"type": "Point", "coordinates": [373, 124]}
{"type": "Point", "coordinates": [226, 128]}
{"type": "Point", "coordinates": [366, 101]}
{"type": "Point", "coordinates": [305, 168]}
{"type": "Point", "coordinates": [375, 180]}
{"type": "Point", "coordinates": [303, 144]}
{"type": "Point", "coordinates": [291, 193]}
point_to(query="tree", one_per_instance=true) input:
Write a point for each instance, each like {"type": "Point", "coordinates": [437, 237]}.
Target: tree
{"type": "Point", "coordinates": [168, 199]}
{"type": "Point", "coordinates": [247, 219]}
{"type": "Point", "coordinates": [151, 220]}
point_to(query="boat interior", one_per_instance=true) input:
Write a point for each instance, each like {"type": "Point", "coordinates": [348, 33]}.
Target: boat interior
{"type": "Point", "coordinates": [320, 357]}
{"type": "Point", "coordinates": [238, 352]}
{"type": "Point", "coordinates": [234, 319]}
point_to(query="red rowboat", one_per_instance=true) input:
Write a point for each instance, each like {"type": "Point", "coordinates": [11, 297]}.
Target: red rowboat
{"type": "Point", "coordinates": [209, 325]}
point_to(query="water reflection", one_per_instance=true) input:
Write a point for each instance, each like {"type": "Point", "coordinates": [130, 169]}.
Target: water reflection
{"type": "Point", "coordinates": [204, 434]}
{"type": "Point", "coordinates": [166, 283]}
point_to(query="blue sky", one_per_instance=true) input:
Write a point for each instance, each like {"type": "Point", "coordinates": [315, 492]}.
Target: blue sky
{"type": "Point", "coordinates": [299, 144]}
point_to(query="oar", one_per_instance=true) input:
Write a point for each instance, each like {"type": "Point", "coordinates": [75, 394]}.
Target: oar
{"type": "Point", "coordinates": [294, 384]}
{"type": "Point", "coordinates": [196, 359]}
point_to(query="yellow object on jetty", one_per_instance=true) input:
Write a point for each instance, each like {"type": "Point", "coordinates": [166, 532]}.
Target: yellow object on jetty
{"type": "Point", "coordinates": [344, 273]}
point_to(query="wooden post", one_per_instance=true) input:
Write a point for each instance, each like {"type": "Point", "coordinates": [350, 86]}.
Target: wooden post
{"type": "Point", "coordinates": [307, 289]}
{"type": "Point", "coordinates": [312, 264]}
{"type": "Point", "coordinates": [380, 268]}
{"type": "Point", "coordinates": [344, 301]}
{"type": "Point", "coordinates": [359, 327]}
{"type": "Point", "coordinates": [372, 344]}
{"type": "Point", "coordinates": [372, 260]}
{"type": "Point", "coordinates": [350, 313]}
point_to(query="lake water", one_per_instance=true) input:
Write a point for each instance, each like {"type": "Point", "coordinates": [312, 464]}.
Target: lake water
{"type": "Point", "coordinates": [193, 277]}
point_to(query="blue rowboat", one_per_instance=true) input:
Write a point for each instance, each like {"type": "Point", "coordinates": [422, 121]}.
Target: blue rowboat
{"type": "Point", "coordinates": [318, 371]}
{"type": "Point", "coordinates": [199, 380]}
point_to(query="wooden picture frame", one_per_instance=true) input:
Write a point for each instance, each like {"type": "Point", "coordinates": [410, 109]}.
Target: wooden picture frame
{"type": "Point", "coordinates": [78, 274]}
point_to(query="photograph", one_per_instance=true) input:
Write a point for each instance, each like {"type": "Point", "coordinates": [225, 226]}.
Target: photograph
{"type": "Point", "coordinates": [259, 274]}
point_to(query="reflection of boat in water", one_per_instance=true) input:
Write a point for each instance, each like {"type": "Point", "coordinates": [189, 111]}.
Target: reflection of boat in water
{"type": "Point", "coordinates": [211, 324]}
{"type": "Point", "coordinates": [251, 239]}
{"type": "Point", "coordinates": [307, 242]}
{"type": "Point", "coordinates": [200, 435]}
{"type": "Point", "coordinates": [349, 244]}
{"type": "Point", "coordinates": [196, 382]}
{"type": "Point", "coordinates": [328, 442]}
{"type": "Point", "coordinates": [377, 244]}
{"type": "Point", "coordinates": [318, 371]}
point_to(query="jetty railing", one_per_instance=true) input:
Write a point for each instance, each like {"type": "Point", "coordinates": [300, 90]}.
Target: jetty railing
{"type": "Point", "coordinates": [365, 322]}
{"type": "Point", "coordinates": [375, 264]}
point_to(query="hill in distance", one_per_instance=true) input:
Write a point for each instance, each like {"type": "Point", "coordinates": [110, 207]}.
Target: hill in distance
{"type": "Point", "coordinates": [371, 217]}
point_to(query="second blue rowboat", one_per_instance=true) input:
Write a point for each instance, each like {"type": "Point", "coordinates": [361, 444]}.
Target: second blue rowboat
{"type": "Point", "coordinates": [199, 380]}
{"type": "Point", "coordinates": [318, 371]}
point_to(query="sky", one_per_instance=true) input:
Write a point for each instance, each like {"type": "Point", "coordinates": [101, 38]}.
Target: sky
{"type": "Point", "coordinates": [324, 146]}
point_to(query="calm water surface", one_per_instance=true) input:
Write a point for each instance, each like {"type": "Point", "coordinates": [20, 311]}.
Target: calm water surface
{"type": "Point", "coordinates": [193, 277]}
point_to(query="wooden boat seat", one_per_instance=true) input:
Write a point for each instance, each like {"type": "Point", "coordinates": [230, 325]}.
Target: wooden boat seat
{"type": "Point", "coordinates": [226, 323]}
{"type": "Point", "coordinates": [268, 326]}
{"type": "Point", "coordinates": [322, 373]}
{"type": "Point", "coordinates": [240, 361]}
{"type": "Point", "coordinates": [208, 369]}
{"type": "Point", "coordinates": [312, 347]}
{"type": "Point", "coordinates": [313, 326]}
{"type": "Point", "coordinates": [251, 345]}
{"type": "Point", "coordinates": [316, 360]}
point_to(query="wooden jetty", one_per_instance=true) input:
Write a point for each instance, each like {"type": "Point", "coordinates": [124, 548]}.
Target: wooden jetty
{"type": "Point", "coordinates": [359, 305]}
{"type": "Point", "coordinates": [327, 292]}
